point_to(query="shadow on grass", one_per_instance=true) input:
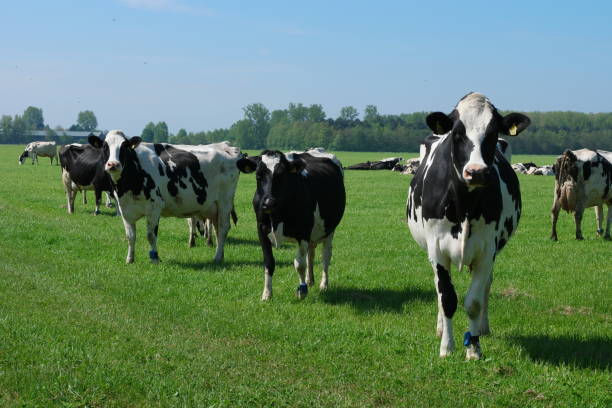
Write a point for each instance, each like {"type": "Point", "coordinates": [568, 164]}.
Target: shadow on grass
{"type": "Point", "coordinates": [228, 241]}
{"type": "Point", "coordinates": [211, 265]}
{"type": "Point", "coordinates": [383, 300]}
{"type": "Point", "coordinates": [594, 353]}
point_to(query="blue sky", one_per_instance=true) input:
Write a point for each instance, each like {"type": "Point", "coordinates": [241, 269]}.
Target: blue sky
{"type": "Point", "coordinates": [196, 64]}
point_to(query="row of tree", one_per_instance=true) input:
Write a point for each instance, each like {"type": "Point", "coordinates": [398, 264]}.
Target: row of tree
{"type": "Point", "coordinates": [300, 127]}
{"type": "Point", "coordinates": [17, 129]}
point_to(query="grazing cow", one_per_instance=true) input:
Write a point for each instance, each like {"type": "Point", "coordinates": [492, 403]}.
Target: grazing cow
{"type": "Point", "coordinates": [583, 178]}
{"type": "Point", "coordinates": [35, 149]}
{"type": "Point", "coordinates": [463, 205]}
{"type": "Point", "coordinates": [162, 180]}
{"type": "Point", "coordinates": [83, 169]}
{"type": "Point", "coordinates": [301, 197]}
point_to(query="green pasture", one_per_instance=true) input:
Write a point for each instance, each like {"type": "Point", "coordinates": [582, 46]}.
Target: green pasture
{"type": "Point", "coordinates": [79, 328]}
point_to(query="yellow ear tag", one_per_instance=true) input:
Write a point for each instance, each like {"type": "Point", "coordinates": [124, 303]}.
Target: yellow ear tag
{"type": "Point", "coordinates": [512, 130]}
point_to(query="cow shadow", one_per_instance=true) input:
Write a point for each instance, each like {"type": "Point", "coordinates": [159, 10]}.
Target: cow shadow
{"type": "Point", "coordinates": [376, 300]}
{"type": "Point", "coordinates": [211, 265]}
{"type": "Point", "coordinates": [593, 353]}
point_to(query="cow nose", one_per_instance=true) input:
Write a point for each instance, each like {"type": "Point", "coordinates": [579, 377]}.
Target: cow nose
{"type": "Point", "coordinates": [268, 204]}
{"type": "Point", "coordinates": [112, 165]}
{"type": "Point", "coordinates": [475, 174]}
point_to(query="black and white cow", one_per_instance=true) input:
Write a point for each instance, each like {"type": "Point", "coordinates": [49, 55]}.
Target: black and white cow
{"type": "Point", "coordinates": [83, 169]}
{"type": "Point", "coordinates": [583, 179]}
{"type": "Point", "coordinates": [43, 149]}
{"type": "Point", "coordinates": [463, 205]}
{"type": "Point", "coordinates": [162, 180]}
{"type": "Point", "coordinates": [300, 197]}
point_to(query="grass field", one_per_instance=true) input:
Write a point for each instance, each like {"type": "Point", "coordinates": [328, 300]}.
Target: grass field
{"type": "Point", "coordinates": [80, 328]}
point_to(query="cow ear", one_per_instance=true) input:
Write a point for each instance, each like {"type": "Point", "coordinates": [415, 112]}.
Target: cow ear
{"type": "Point", "coordinates": [296, 165]}
{"type": "Point", "coordinates": [248, 164]}
{"type": "Point", "coordinates": [135, 141]}
{"type": "Point", "coordinates": [514, 123]}
{"type": "Point", "coordinates": [95, 141]}
{"type": "Point", "coordinates": [439, 123]}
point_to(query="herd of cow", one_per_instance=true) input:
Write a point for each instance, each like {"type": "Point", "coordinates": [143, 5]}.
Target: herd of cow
{"type": "Point", "coordinates": [464, 201]}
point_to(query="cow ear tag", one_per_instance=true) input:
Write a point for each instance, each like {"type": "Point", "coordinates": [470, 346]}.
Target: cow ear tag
{"type": "Point", "coordinates": [512, 130]}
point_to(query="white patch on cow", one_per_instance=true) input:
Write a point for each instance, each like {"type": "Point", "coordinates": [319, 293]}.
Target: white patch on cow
{"type": "Point", "coordinates": [267, 291]}
{"type": "Point", "coordinates": [318, 228]}
{"type": "Point", "coordinates": [271, 161]}
{"type": "Point", "coordinates": [475, 112]}
{"type": "Point", "coordinates": [276, 235]}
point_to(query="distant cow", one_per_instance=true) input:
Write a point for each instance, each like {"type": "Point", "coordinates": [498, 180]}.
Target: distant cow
{"type": "Point", "coordinates": [35, 149]}
{"type": "Point", "coordinates": [583, 178]}
{"type": "Point", "coordinates": [463, 205]}
{"type": "Point", "coordinates": [83, 169]}
{"type": "Point", "coordinates": [163, 180]}
{"type": "Point", "coordinates": [301, 197]}
{"type": "Point", "coordinates": [384, 164]}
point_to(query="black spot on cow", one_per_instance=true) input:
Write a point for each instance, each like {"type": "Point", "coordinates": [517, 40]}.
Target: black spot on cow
{"type": "Point", "coordinates": [509, 225]}
{"type": "Point", "coordinates": [161, 170]}
{"type": "Point", "coordinates": [455, 230]}
{"type": "Point", "coordinates": [586, 170]}
{"type": "Point", "coordinates": [447, 291]}
{"type": "Point", "coordinates": [184, 166]}
{"type": "Point", "coordinates": [501, 244]}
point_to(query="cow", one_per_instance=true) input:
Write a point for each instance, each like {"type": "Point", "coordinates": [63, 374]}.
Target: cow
{"type": "Point", "coordinates": [463, 205]}
{"type": "Point", "coordinates": [35, 149]}
{"type": "Point", "coordinates": [583, 179]}
{"type": "Point", "coordinates": [163, 180]}
{"type": "Point", "coordinates": [83, 169]}
{"type": "Point", "coordinates": [299, 197]}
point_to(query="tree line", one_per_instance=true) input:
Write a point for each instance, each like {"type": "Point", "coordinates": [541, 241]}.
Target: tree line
{"type": "Point", "coordinates": [299, 127]}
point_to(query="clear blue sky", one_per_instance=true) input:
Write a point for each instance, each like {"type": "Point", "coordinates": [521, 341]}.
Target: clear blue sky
{"type": "Point", "coordinates": [196, 64]}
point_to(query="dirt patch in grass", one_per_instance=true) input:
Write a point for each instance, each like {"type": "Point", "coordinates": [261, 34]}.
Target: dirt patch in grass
{"type": "Point", "coordinates": [571, 310]}
{"type": "Point", "coordinates": [513, 293]}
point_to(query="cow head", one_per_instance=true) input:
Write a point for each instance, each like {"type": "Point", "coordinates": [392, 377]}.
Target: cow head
{"type": "Point", "coordinates": [473, 128]}
{"type": "Point", "coordinates": [566, 167]}
{"type": "Point", "coordinates": [276, 176]}
{"type": "Point", "coordinates": [117, 148]}
{"type": "Point", "coordinates": [23, 157]}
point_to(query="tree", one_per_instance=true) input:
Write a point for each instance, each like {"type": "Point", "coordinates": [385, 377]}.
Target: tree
{"type": "Point", "coordinates": [6, 129]}
{"type": "Point", "coordinates": [259, 118]}
{"type": "Point", "coordinates": [371, 113]}
{"type": "Point", "coordinates": [349, 113]}
{"type": "Point", "coordinates": [298, 112]}
{"type": "Point", "coordinates": [33, 118]}
{"type": "Point", "coordinates": [160, 132]}
{"type": "Point", "coordinates": [148, 133]}
{"type": "Point", "coordinates": [87, 121]}
{"type": "Point", "coordinates": [316, 113]}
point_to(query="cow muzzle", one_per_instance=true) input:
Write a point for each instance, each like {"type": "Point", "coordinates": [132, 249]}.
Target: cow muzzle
{"type": "Point", "coordinates": [476, 175]}
{"type": "Point", "coordinates": [112, 166]}
{"type": "Point", "coordinates": [268, 205]}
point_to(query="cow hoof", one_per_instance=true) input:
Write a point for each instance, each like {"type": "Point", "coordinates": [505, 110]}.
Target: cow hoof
{"type": "Point", "coordinates": [302, 291]}
{"type": "Point", "coordinates": [553, 238]}
{"type": "Point", "coordinates": [266, 296]}
{"type": "Point", "coordinates": [473, 353]}
{"type": "Point", "coordinates": [323, 287]}
{"type": "Point", "coordinates": [97, 212]}
{"type": "Point", "coordinates": [607, 238]}
{"type": "Point", "coordinates": [154, 257]}
{"type": "Point", "coordinates": [580, 238]}
{"type": "Point", "coordinates": [129, 260]}
{"type": "Point", "coordinates": [446, 351]}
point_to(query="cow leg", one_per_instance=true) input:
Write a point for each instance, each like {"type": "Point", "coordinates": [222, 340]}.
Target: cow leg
{"type": "Point", "coordinates": [475, 305]}
{"type": "Point", "coordinates": [484, 317]}
{"type": "Point", "coordinates": [84, 196]}
{"type": "Point", "coordinates": [325, 260]}
{"type": "Point", "coordinates": [554, 216]}
{"type": "Point", "coordinates": [98, 196]}
{"type": "Point", "coordinates": [608, 222]}
{"type": "Point", "coordinates": [447, 303]}
{"type": "Point", "coordinates": [208, 226]}
{"type": "Point", "coordinates": [599, 219]}
{"type": "Point", "coordinates": [152, 228]}
{"type": "Point", "coordinates": [109, 202]}
{"type": "Point", "coordinates": [191, 223]}
{"type": "Point", "coordinates": [300, 267]}
{"type": "Point", "coordinates": [310, 264]}
{"type": "Point", "coordinates": [222, 227]}
{"type": "Point", "coordinates": [268, 257]}
{"type": "Point", "coordinates": [578, 220]}
{"type": "Point", "coordinates": [130, 233]}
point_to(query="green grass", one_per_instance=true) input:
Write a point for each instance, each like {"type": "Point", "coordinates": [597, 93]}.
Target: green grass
{"type": "Point", "coordinates": [80, 328]}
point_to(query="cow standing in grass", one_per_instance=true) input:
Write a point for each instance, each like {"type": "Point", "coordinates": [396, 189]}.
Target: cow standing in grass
{"type": "Point", "coordinates": [156, 180]}
{"type": "Point", "coordinates": [300, 197]}
{"type": "Point", "coordinates": [583, 179]}
{"type": "Point", "coordinates": [463, 205]}
{"type": "Point", "coordinates": [43, 149]}
{"type": "Point", "coordinates": [83, 169]}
